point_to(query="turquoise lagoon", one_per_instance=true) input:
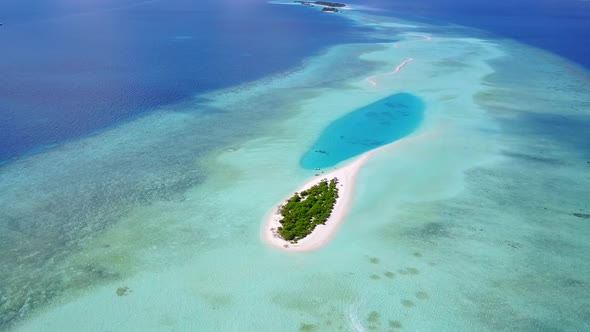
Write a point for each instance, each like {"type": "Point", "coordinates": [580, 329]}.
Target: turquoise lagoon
{"type": "Point", "coordinates": [473, 222]}
{"type": "Point", "coordinates": [365, 129]}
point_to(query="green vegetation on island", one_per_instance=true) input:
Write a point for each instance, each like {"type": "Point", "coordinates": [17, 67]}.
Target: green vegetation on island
{"type": "Point", "coordinates": [307, 209]}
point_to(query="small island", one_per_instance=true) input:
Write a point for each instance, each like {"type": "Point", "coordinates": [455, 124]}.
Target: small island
{"type": "Point", "coordinates": [307, 209]}
{"type": "Point", "coordinates": [310, 218]}
{"type": "Point", "coordinates": [328, 7]}
{"type": "Point", "coordinates": [322, 3]}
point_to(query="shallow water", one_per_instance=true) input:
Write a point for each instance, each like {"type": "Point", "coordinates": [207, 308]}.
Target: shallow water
{"type": "Point", "coordinates": [468, 223]}
{"type": "Point", "coordinates": [365, 129]}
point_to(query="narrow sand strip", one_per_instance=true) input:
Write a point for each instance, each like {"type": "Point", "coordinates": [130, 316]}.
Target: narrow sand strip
{"type": "Point", "coordinates": [424, 38]}
{"type": "Point", "coordinates": [322, 234]}
{"type": "Point", "coordinates": [372, 80]}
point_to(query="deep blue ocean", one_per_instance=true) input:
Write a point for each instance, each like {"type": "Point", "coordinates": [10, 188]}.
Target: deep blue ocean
{"type": "Point", "coordinates": [560, 26]}
{"type": "Point", "coordinates": [72, 68]}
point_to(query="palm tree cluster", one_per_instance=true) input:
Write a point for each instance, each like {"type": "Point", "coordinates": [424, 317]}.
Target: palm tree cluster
{"type": "Point", "coordinates": [307, 209]}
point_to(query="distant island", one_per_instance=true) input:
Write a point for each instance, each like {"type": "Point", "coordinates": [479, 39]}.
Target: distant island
{"type": "Point", "coordinates": [307, 209]}
{"type": "Point", "coordinates": [322, 3]}
{"type": "Point", "coordinates": [328, 6]}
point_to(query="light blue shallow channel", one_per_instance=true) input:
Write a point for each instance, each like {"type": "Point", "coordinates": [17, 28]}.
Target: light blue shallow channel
{"type": "Point", "coordinates": [364, 129]}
